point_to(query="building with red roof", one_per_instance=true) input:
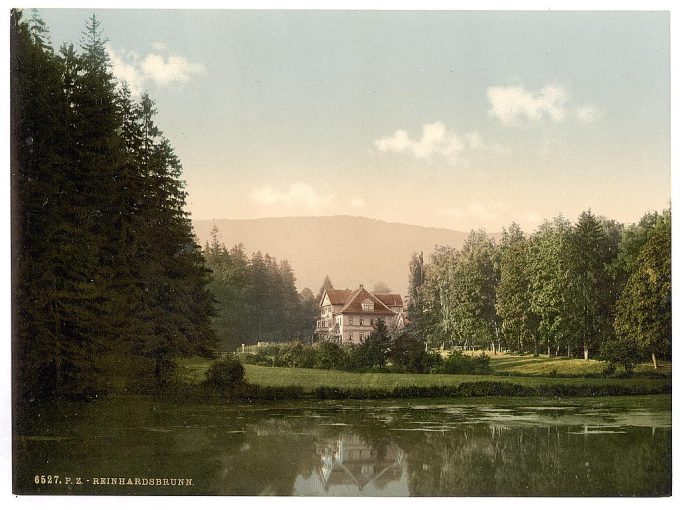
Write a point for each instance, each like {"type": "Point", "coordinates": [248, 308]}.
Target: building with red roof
{"type": "Point", "coordinates": [348, 316]}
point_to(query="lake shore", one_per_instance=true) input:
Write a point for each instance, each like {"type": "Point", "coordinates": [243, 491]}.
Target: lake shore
{"type": "Point", "coordinates": [283, 383]}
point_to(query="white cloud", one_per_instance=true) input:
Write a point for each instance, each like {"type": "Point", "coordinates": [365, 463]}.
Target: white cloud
{"type": "Point", "coordinates": [436, 139]}
{"type": "Point", "coordinates": [167, 70]}
{"type": "Point", "coordinates": [138, 71]}
{"type": "Point", "coordinates": [357, 203]}
{"type": "Point", "coordinates": [587, 113]}
{"type": "Point", "coordinates": [125, 71]}
{"type": "Point", "coordinates": [297, 194]}
{"type": "Point", "coordinates": [514, 103]}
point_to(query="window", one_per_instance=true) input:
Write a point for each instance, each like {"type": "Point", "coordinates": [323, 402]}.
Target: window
{"type": "Point", "coordinates": [351, 319]}
{"type": "Point", "coordinates": [361, 321]}
{"type": "Point", "coordinates": [367, 305]}
{"type": "Point", "coordinates": [371, 322]}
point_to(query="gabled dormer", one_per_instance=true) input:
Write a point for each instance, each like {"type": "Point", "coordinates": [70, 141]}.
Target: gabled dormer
{"type": "Point", "coordinates": [367, 305]}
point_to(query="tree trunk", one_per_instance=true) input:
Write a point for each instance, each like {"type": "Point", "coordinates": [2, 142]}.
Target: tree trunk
{"type": "Point", "coordinates": [557, 351]}
{"type": "Point", "coordinates": [656, 364]}
{"type": "Point", "coordinates": [493, 347]}
{"type": "Point", "coordinates": [568, 351]}
{"type": "Point", "coordinates": [585, 352]}
{"type": "Point", "coordinates": [535, 347]}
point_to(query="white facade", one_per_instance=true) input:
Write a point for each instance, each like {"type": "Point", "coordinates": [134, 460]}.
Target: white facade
{"type": "Point", "coordinates": [349, 316]}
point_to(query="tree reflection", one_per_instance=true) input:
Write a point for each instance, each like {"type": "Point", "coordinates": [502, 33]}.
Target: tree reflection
{"type": "Point", "coordinates": [365, 449]}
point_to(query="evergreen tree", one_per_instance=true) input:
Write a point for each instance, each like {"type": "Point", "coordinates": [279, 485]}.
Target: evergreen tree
{"type": "Point", "coordinates": [309, 308]}
{"type": "Point", "coordinates": [50, 353]}
{"type": "Point", "coordinates": [327, 284]}
{"type": "Point", "coordinates": [105, 258]}
{"type": "Point", "coordinates": [416, 279]}
{"type": "Point", "coordinates": [374, 350]}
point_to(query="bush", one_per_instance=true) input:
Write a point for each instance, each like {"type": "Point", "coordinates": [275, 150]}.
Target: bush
{"type": "Point", "coordinates": [609, 370]}
{"type": "Point", "coordinates": [329, 356]}
{"type": "Point", "coordinates": [409, 355]}
{"type": "Point", "coordinates": [459, 363]}
{"type": "Point", "coordinates": [224, 373]}
{"type": "Point", "coordinates": [622, 352]}
{"type": "Point", "coordinates": [296, 355]}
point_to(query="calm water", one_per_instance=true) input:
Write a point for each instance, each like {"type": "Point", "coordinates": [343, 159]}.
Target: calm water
{"type": "Point", "coordinates": [476, 447]}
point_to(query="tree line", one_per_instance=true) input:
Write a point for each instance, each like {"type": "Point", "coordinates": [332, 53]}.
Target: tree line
{"type": "Point", "coordinates": [105, 264]}
{"type": "Point", "coordinates": [591, 288]}
{"type": "Point", "coordinates": [257, 299]}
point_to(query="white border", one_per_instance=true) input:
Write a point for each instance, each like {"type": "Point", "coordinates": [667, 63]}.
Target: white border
{"type": "Point", "coordinates": [104, 502]}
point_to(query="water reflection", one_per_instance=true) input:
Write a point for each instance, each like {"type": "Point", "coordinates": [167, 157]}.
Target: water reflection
{"type": "Point", "coordinates": [596, 447]}
{"type": "Point", "coordinates": [351, 466]}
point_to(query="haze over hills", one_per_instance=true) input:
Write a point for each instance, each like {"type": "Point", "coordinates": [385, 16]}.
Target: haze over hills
{"type": "Point", "coordinates": [349, 249]}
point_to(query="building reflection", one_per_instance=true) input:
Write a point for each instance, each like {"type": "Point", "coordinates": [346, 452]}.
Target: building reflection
{"type": "Point", "coordinates": [351, 466]}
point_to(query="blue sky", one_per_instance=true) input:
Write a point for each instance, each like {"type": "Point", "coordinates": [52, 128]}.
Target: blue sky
{"type": "Point", "coordinates": [451, 119]}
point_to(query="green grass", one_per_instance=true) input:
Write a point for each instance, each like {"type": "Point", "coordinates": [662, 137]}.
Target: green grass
{"type": "Point", "coordinates": [193, 369]}
{"type": "Point", "coordinates": [542, 365]}
{"type": "Point", "coordinates": [525, 365]}
{"type": "Point", "coordinates": [310, 379]}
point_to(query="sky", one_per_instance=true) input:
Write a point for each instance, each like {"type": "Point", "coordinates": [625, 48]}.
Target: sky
{"type": "Point", "coordinates": [449, 119]}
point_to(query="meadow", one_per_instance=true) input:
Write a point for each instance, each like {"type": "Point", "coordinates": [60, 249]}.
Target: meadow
{"type": "Point", "coordinates": [524, 371]}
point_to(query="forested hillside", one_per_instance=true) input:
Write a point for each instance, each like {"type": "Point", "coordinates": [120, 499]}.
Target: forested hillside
{"type": "Point", "coordinates": [257, 299]}
{"type": "Point", "coordinates": [351, 249]}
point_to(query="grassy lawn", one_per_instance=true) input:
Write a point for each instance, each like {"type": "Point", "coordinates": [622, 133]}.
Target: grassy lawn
{"type": "Point", "coordinates": [542, 365]}
{"type": "Point", "coordinates": [526, 365]}
{"type": "Point", "coordinates": [310, 378]}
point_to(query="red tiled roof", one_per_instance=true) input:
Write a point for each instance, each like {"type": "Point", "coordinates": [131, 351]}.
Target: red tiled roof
{"type": "Point", "coordinates": [353, 304]}
{"type": "Point", "coordinates": [390, 299]}
{"type": "Point", "coordinates": [337, 296]}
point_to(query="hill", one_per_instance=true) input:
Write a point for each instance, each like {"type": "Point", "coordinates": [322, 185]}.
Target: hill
{"type": "Point", "coordinates": [351, 250]}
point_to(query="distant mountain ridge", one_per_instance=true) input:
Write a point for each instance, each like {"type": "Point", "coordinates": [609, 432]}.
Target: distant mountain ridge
{"type": "Point", "coordinates": [352, 250]}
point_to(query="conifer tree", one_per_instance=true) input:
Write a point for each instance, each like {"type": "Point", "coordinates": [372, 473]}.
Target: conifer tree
{"type": "Point", "coordinates": [105, 257]}
{"type": "Point", "coordinates": [327, 284]}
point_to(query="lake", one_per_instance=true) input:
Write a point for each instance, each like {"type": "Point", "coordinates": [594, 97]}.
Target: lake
{"type": "Point", "coordinates": [615, 446]}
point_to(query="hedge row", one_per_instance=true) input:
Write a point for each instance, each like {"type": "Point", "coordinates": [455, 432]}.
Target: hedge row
{"type": "Point", "coordinates": [490, 389]}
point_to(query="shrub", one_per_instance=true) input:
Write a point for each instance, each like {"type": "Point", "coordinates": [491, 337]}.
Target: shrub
{"type": "Point", "coordinates": [409, 355]}
{"type": "Point", "coordinates": [225, 373]}
{"type": "Point", "coordinates": [459, 363]}
{"type": "Point", "coordinates": [329, 355]}
{"type": "Point", "coordinates": [296, 354]}
{"type": "Point", "coordinates": [609, 370]}
{"type": "Point", "coordinates": [626, 353]}
{"type": "Point", "coordinates": [373, 351]}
